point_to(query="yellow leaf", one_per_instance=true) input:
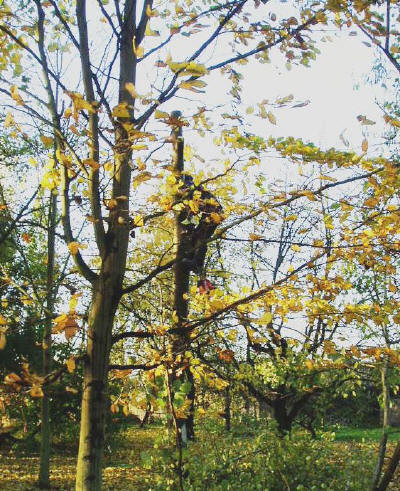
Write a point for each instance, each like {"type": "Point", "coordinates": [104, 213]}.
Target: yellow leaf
{"type": "Point", "coordinates": [3, 339]}
{"type": "Point", "coordinates": [265, 319]}
{"type": "Point", "coordinates": [296, 248]}
{"type": "Point", "coordinates": [15, 95]}
{"type": "Point", "coordinates": [161, 114]}
{"type": "Point", "coordinates": [130, 88]}
{"type": "Point", "coordinates": [74, 301]}
{"type": "Point", "coordinates": [327, 178]}
{"type": "Point", "coordinates": [36, 391]}
{"type": "Point", "coordinates": [216, 217]}
{"type": "Point", "coordinates": [75, 246]}
{"type": "Point", "coordinates": [91, 163]}
{"type": "Point", "coordinates": [254, 237]}
{"type": "Point", "coordinates": [121, 111]}
{"type": "Point", "coordinates": [47, 141]}
{"type": "Point", "coordinates": [114, 408]}
{"type": "Point", "coordinates": [138, 50]}
{"type": "Point", "coordinates": [71, 390]}
{"type": "Point", "coordinates": [392, 288]}
{"type": "Point", "coordinates": [150, 32]}
{"type": "Point", "coordinates": [3, 321]}
{"type": "Point", "coordinates": [138, 221]}
{"type": "Point", "coordinates": [112, 203]}
{"type": "Point", "coordinates": [364, 145]}
{"type": "Point", "coordinates": [271, 117]}
{"type": "Point", "coordinates": [71, 365]}
{"type": "Point", "coordinates": [150, 12]}
{"type": "Point", "coordinates": [193, 68]}
{"type": "Point", "coordinates": [80, 103]}
{"type": "Point", "coordinates": [192, 85]}
{"type": "Point", "coordinates": [309, 364]}
{"type": "Point", "coordinates": [12, 378]}
{"type": "Point", "coordinates": [9, 121]}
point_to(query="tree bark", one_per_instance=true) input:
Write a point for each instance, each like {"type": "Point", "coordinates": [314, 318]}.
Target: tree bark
{"type": "Point", "coordinates": [181, 341]}
{"type": "Point", "coordinates": [113, 247]}
{"type": "Point", "coordinates": [45, 430]}
{"type": "Point", "coordinates": [95, 396]}
{"type": "Point", "coordinates": [385, 425]}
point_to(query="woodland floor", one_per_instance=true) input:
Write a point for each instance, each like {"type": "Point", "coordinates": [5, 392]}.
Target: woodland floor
{"type": "Point", "coordinates": [123, 470]}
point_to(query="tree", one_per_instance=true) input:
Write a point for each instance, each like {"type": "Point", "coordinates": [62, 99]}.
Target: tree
{"type": "Point", "coordinates": [99, 125]}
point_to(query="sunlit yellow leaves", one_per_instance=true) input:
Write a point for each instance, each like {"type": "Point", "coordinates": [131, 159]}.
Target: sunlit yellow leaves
{"type": "Point", "coordinates": [71, 365]}
{"type": "Point", "coordinates": [392, 121]}
{"type": "Point", "coordinates": [79, 103]}
{"type": "Point", "coordinates": [138, 221]}
{"type": "Point", "coordinates": [329, 347]}
{"type": "Point", "coordinates": [111, 204]}
{"type": "Point", "coordinates": [265, 319]}
{"type": "Point", "coordinates": [130, 88]}
{"type": "Point", "coordinates": [150, 32]}
{"type": "Point", "coordinates": [122, 110]}
{"type": "Point", "coordinates": [186, 68]}
{"type": "Point", "coordinates": [9, 120]}
{"type": "Point", "coordinates": [151, 12]}
{"type": "Point", "coordinates": [308, 194]}
{"type": "Point", "coordinates": [51, 179]}
{"type": "Point", "coordinates": [271, 118]}
{"type": "Point", "coordinates": [140, 178]}
{"type": "Point", "coordinates": [192, 85]}
{"type": "Point", "coordinates": [74, 301]}
{"type": "Point", "coordinates": [75, 246]}
{"type": "Point", "coordinates": [327, 178]}
{"type": "Point", "coordinates": [216, 217]}
{"type": "Point", "coordinates": [255, 237]}
{"type": "Point", "coordinates": [3, 338]}
{"type": "Point", "coordinates": [160, 114]}
{"type": "Point", "coordinates": [364, 145]}
{"type": "Point", "coordinates": [16, 96]}
{"type": "Point", "coordinates": [137, 50]}
{"type": "Point", "coordinates": [47, 141]}
{"type": "Point", "coordinates": [309, 364]}
{"type": "Point", "coordinates": [91, 163]}
{"type": "Point", "coordinates": [121, 374]}
{"type": "Point", "coordinates": [12, 378]}
{"type": "Point", "coordinates": [295, 248]}
{"type": "Point", "coordinates": [36, 391]}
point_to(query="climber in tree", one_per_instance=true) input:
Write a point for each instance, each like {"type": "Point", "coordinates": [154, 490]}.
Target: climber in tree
{"type": "Point", "coordinates": [200, 225]}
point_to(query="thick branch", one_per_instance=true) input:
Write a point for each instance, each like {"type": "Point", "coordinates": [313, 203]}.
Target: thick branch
{"type": "Point", "coordinates": [93, 126]}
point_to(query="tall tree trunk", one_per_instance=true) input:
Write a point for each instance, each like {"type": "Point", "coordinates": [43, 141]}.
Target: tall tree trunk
{"type": "Point", "coordinates": [181, 341]}
{"type": "Point", "coordinates": [385, 424]}
{"type": "Point", "coordinates": [95, 396]}
{"type": "Point", "coordinates": [45, 432]}
{"type": "Point", "coordinates": [113, 247]}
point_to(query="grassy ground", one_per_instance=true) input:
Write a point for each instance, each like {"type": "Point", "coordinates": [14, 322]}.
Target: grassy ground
{"type": "Point", "coordinates": [123, 470]}
{"type": "Point", "coordinates": [347, 434]}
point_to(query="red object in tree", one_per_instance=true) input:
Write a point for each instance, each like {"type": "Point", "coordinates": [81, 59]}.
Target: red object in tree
{"type": "Point", "coordinates": [205, 286]}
